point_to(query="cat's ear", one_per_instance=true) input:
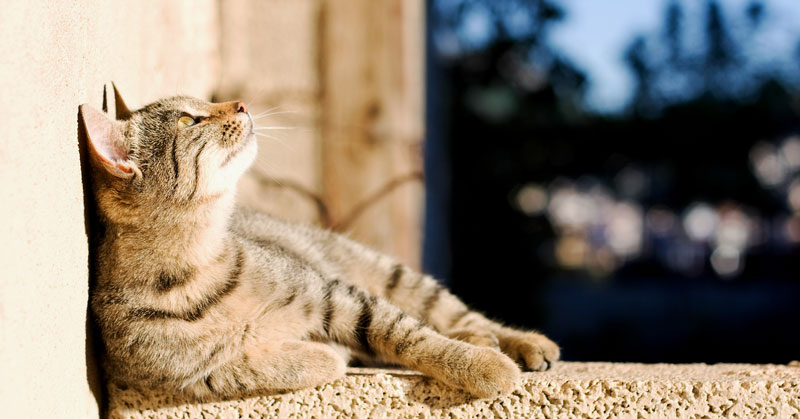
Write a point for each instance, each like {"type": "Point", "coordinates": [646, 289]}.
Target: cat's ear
{"type": "Point", "coordinates": [106, 144]}
{"type": "Point", "coordinates": [122, 110]}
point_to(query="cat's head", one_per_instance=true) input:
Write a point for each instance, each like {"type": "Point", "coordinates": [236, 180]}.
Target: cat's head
{"type": "Point", "coordinates": [175, 153]}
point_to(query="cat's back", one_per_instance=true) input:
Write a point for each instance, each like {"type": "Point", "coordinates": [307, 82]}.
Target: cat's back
{"type": "Point", "coordinates": [248, 223]}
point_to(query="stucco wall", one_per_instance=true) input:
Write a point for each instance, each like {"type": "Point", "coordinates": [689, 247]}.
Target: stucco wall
{"type": "Point", "coordinates": [57, 55]}
{"type": "Point", "coordinates": [270, 56]}
{"type": "Point", "coordinates": [53, 57]}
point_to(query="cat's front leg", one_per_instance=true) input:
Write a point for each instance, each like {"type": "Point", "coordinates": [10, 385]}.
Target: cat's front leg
{"type": "Point", "coordinates": [374, 326]}
{"type": "Point", "coordinates": [288, 365]}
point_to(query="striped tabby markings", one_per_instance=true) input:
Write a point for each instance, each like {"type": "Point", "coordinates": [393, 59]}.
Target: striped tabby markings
{"type": "Point", "coordinates": [207, 381]}
{"type": "Point", "coordinates": [294, 290]}
{"type": "Point", "coordinates": [365, 321]}
{"type": "Point", "coordinates": [175, 160]}
{"type": "Point", "coordinates": [207, 302]}
{"type": "Point", "coordinates": [327, 295]}
{"type": "Point", "coordinates": [210, 358]}
{"type": "Point", "coordinates": [234, 374]}
{"type": "Point", "coordinates": [431, 300]}
{"type": "Point", "coordinates": [393, 325]}
{"type": "Point", "coordinates": [246, 366]}
{"type": "Point", "coordinates": [245, 333]}
{"type": "Point", "coordinates": [405, 343]}
{"type": "Point", "coordinates": [394, 279]}
{"type": "Point", "coordinates": [457, 317]}
{"type": "Point", "coordinates": [308, 308]}
{"type": "Point", "coordinates": [167, 281]}
{"type": "Point", "coordinates": [418, 282]}
{"type": "Point", "coordinates": [197, 166]}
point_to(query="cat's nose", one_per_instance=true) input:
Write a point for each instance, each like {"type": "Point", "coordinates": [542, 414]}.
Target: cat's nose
{"type": "Point", "coordinates": [240, 107]}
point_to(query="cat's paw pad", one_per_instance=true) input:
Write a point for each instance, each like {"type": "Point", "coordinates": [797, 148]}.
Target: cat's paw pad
{"type": "Point", "coordinates": [491, 374]}
{"type": "Point", "coordinates": [476, 337]}
{"type": "Point", "coordinates": [532, 351]}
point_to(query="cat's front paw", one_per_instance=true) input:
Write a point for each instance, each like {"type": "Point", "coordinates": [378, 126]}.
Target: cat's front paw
{"type": "Point", "coordinates": [490, 374]}
{"type": "Point", "coordinates": [531, 350]}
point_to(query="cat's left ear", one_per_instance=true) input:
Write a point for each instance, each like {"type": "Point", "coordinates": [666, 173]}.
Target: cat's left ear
{"type": "Point", "coordinates": [106, 143]}
{"type": "Point", "coordinates": [121, 108]}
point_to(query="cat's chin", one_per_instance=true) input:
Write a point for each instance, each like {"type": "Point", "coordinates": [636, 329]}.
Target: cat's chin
{"type": "Point", "coordinates": [227, 176]}
{"type": "Point", "coordinates": [250, 150]}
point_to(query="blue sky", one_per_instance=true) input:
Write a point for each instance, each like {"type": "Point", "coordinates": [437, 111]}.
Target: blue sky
{"type": "Point", "coordinates": [595, 33]}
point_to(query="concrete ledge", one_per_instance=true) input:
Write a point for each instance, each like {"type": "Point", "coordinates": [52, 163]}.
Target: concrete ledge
{"type": "Point", "coordinates": [570, 390]}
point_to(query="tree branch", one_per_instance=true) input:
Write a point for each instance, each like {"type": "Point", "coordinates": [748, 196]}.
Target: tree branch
{"type": "Point", "coordinates": [322, 208]}
{"type": "Point", "coordinates": [358, 209]}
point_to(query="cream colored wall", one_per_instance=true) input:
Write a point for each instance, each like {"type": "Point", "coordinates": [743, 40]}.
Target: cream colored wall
{"type": "Point", "coordinates": [57, 55]}
{"type": "Point", "coordinates": [270, 59]}
{"type": "Point", "coordinates": [53, 57]}
{"type": "Point", "coordinates": [347, 75]}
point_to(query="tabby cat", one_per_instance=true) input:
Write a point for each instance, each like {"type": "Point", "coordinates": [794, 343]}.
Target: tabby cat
{"type": "Point", "coordinates": [198, 297]}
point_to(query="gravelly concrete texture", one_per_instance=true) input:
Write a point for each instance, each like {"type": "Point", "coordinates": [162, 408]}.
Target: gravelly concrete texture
{"type": "Point", "coordinates": [569, 390]}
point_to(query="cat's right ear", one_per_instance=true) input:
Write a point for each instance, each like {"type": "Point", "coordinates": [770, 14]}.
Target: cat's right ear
{"type": "Point", "coordinates": [106, 144]}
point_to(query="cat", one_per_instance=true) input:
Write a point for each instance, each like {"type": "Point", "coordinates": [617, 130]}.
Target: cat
{"type": "Point", "coordinates": [195, 296]}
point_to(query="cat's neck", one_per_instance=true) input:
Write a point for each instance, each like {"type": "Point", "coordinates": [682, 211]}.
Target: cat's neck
{"type": "Point", "coordinates": [195, 237]}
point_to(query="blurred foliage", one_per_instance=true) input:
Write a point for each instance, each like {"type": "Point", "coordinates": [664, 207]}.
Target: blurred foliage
{"type": "Point", "coordinates": [722, 71]}
{"type": "Point", "coordinates": [517, 116]}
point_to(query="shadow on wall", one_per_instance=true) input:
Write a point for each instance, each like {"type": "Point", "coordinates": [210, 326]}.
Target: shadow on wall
{"type": "Point", "coordinates": [94, 346]}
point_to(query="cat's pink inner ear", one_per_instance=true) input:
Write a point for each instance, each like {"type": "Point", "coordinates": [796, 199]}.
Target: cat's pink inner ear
{"type": "Point", "coordinates": [104, 138]}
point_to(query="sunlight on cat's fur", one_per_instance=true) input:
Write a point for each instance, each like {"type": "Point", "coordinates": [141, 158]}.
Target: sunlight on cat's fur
{"type": "Point", "coordinates": [196, 296]}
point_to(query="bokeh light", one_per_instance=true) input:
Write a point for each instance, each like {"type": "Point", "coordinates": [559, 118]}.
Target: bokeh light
{"type": "Point", "coordinates": [700, 222]}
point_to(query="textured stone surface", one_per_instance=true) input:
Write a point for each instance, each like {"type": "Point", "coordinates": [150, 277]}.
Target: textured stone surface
{"type": "Point", "coordinates": [570, 390]}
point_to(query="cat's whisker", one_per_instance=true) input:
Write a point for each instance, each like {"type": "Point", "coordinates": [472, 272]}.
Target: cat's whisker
{"type": "Point", "coordinates": [273, 128]}
{"type": "Point", "coordinates": [274, 108]}
{"type": "Point", "coordinates": [263, 115]}
{"type": "Point", "coordinates": [280, 141]}
{"type": "Point", "coordinates": [261, 169]}
{"type": "Point", "coordinates": [261, 134]}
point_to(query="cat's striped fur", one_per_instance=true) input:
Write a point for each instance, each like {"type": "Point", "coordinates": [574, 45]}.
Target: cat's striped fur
{"type": "Point", "coordinates": [196, 296]}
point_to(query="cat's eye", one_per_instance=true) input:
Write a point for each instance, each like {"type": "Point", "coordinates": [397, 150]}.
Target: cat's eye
{"type": "Point", "coordinates": [186, 121]}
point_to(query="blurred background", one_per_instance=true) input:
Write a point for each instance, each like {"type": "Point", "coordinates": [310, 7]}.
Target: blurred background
{"type": "Point", "coordinates": [622, 175]}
